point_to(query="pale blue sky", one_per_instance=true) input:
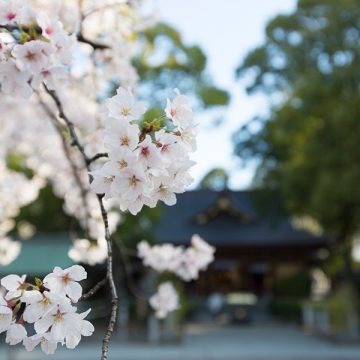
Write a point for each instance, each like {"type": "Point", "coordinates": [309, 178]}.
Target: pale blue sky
{"type": "Point", "coordinates": [226, 30]}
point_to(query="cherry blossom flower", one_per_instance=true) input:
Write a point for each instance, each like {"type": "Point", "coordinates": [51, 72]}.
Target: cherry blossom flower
{"type": "Point", "coordinates": [5, 315]}
{"type": "Point", "coordinates": [179, 111]}
{"type": "Point", "coordinates": [103, 179]}
{"type": "Point", "coordinates": [9, 250]}
{"type": "Point", "coordinates": [160, 257]}
{"type": "Point", "coordinates": [58, 320]}
{"type": "Point", "coordinates": [15, 285]}
{"type": "Point", "coordinates": [13, 11]}
{"type": "Point", "coordinates": [120, 134]}
{"type": "Point", "coordinates": [87, 252]}
{"type": "Point", "coordinates": [13, 80]}
{"type": "Point", "coordinates": [16, 334]}
{"type": "Point", "coordinates": [33, 56]}
{"type": "Point", "coordinates": [123, 106]}
{"type": "Point", "coordinates": [46, 341]}
{"type": "Point", "coordinates": [54, 318]}
{"type": "Point", "coordinates": [50, 26]}
{"type": "Point", "coordinates": [165, 300]}
{"type": "Point", "coordinates": [38, 304]}
{"type": "Point", "coordinates": [3, 50]}
{"type": "Point", "coordinates": [186, 263]}
{"type": "Point", "coordinates": [66, 281]}
{"type": "Point", "coordinates": [79, 328]}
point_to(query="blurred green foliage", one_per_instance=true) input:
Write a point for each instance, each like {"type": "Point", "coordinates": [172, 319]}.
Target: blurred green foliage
{"type": "Point", "coordinates": [46, 213]}
{"type": "Point", "coordinates": [287, 308]}
{"type": "Point", "coordinates": [166, 62]}
{"type": "Point", "coordinates": [307, 147]}
{"type": "Point", "coordinates": [337, 307]}
{"type": "Point", "coordinates": [296, 285]}
{"type": "Point", "coordinates": [289, 295]}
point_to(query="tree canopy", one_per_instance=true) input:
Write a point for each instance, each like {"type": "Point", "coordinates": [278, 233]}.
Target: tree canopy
{"type": "Point", "coordinates": [309, 67]}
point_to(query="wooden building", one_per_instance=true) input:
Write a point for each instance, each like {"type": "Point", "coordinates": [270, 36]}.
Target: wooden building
{"type": "Point", "coordinates": [256, 244]}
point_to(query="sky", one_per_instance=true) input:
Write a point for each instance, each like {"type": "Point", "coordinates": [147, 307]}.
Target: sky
{"type": "Point", "coordinates": [226, 31]}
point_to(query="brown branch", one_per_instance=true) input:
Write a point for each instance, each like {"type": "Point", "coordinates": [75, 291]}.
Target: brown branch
{"type": "Point", "coordinates": [94, 290]}
{"type": "Point", "coordinates": [110, 275]}
{"type": "Point", "coordinates": [128, 271]}
{"type": "Point", "coordinates": [83, 190]}
{"type": "Point", "coordinates": [80, 36]}
{"type": "Point", "coordinates": [97, 157]}
{"type": "Point", "coordinates": [71, 127]}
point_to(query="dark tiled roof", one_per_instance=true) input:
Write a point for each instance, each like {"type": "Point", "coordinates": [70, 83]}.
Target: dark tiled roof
{"type": "Point", "coordinates": [232, 221]}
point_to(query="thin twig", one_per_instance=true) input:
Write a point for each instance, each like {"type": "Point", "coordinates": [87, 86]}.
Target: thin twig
{"type": "Point", "coordinates": [74, 137]}
{"type": "Point", "coordinates": [128, 271]}
{"type": "Point", "coordinates": [83, 190]}
{"type": "Point", "coordinates": [80, 37]}
{"type": "Point", "coordinates": [110, 275]}
{"type": "Point", "coordinates": [97, 157]}
{"type": "Point", "coordinates": [94, 289]}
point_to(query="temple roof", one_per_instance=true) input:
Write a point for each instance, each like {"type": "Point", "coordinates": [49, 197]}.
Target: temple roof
{"type": "Point", "coordinates": [231, 219]}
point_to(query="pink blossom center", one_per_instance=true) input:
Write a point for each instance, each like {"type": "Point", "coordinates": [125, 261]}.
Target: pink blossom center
{"type": "Point", "coordinates": [49, 30]}
{"type": "Point", "coordinates": [145, 151]}
{"type": "Point", "coordinates": [165, 148]}
{"type": "Point", "coordinates": [11, 16]}
{"type": "Point", "coordinates": [173, 112]}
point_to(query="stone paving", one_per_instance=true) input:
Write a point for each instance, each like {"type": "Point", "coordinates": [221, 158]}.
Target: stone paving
{"type": "Point", "coordinates": [275, 342]}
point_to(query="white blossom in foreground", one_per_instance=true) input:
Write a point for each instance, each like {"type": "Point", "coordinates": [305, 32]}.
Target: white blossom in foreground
{"type": "Point", "coordinates": [5, 315]}
{"type": "Point", "coordinates": [165, 300]}
{"type": "Point", "coordinates": [147, 163]}
{"type": "Point", "coordinates": [87, 252]}
{"type": "Point", "coordinates": [66, 281]}
{"type": "Point", "coordinates": [9, 250]}
{"type": "Point", "coordinates": [47, 307]}
{"type": "Point", "coordinates": [183, 262]}
{"type": "Point", "coordinates": [179, 111]}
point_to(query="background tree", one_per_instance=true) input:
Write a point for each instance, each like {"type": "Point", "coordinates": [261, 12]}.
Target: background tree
{"type": "Point", "coordinates": [308, 145]}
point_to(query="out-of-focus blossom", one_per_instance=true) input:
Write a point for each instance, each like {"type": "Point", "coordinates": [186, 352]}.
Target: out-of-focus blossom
{"type": "Point", "coordinates": [165, 300]}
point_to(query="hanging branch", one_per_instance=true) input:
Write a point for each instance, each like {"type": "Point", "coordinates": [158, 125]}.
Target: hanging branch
{"type": "Point", "coordinates": [95, 289]}
{"type": "Point", "coordinates": [74, 169]}
{"type": "Point", "coordinates": [110, 275]}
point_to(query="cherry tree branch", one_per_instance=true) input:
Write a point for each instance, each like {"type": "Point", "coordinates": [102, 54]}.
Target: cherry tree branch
{"type": "Point", "coordinates": [97, 157]}
{"type": "Point", "coordinates": [95, 289]}
{"type": "Point", "coordinates": [110, 275]}
{"type": "Point", "coordinates": [80, 36]}
{"type": "Point", "coordinates": [83, 190]}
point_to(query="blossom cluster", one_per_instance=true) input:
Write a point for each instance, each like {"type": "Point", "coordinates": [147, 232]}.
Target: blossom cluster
{"type": "Point", "coordinates": [147, 163]}
{"type": "Point", "coordinates": [35, 55]}
{"type": "Point", "coordinates": [89, 252]}
{"type": "Point", "coordinates": [111, 23]}
{"type": "Point", "coordinates": [47, 307]}
{"type": "Point", "coordinates": [186, 263]}
{"type": "Point", "coordinates": [165, 300]}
